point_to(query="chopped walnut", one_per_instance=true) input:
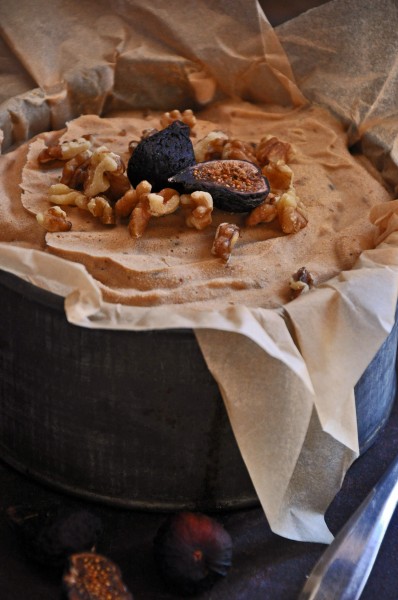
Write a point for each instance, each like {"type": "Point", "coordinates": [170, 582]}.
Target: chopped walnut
{"type": "Point", "coordinates": [279, 175]}
{"type": "Point", "coordinates": [74, 172]}
{"type": "Point", "coordinates": [102, 162]}
{"type": "Point", "coordinates": [99, 207]}
{"type": "Point", "coordinates": [119, 184]}
{"type": "Point", "coordinates": [211, 146]}
{"type": "Point", "coordinates": [270, 149]}
{"type": "Point", "coordinates": [140, 218]}
{"type": "Point", "coordinates": [239, 150]}
{"type": "Point", "coordinates": [227, 235]}
{"type": "Point", "coordinates": [61, 194]}
{"type": "Point", "coordinates": [201, 205]}
{"type": "Point", "coordinates": [126, 203]}
{"type": "Point", "coordinates": [164, 202]}
{"type": "Point", "coordinates": [145, 205]}
{"type": "Point", "coordinates": [186, 117]}
{"type": "Point", "coordinates": [82, 202]}
{"type": "Point", "coordinates": [64, 150]}
{"type": "Point", "coordinates": [292, 214]}
{"type": "Point", "coordinates": [96, 172]}
{"type": "Point", "coordinates": [54, 219]}
{"type": "Point", "coordinates": [265, 213]}
{"type": "Point", "coordinates": [301, 282]}
{"type": "Point", "coordinates": [140, 215]}
{"type": "Point", "coordinates": [143, 188]}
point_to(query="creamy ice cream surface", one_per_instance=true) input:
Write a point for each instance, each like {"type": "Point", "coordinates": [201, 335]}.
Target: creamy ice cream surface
{"type": "Point", "coordinates": [172, 263]}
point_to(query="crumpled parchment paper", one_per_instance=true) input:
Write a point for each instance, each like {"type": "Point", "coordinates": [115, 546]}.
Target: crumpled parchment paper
{"type": "Point", "coordinates": [289, 394]}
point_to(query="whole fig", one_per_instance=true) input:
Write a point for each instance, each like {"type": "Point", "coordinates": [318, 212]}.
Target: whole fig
{"type": "Point", "coordinates": [192, 551]}
{"type": "Point", "coordinates": [161, 155]}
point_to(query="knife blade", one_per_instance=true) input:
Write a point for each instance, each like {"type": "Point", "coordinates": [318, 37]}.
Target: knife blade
{"type": "Point", "coordinates": [343, 569]}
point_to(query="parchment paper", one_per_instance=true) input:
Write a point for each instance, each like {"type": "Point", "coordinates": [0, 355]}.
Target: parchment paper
{"type": "Point", "coordinates": [290, 402]}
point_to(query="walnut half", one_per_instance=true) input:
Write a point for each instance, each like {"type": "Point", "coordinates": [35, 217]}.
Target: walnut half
{"type": "Point", "coordinates": [292, 214]}
{"type": "Point", "coordinates": [271, 149]}
{"type": "Point", "coordinates": [148, 204]}
{"type": "Point", "coordinates": [279, 175]}
{"type": "Point", "coordinates": [61, 194]}
{"type": "Point", "coordinates": [64, 150]}
{"type": "Point", "coordinates": [264, 213]}
{"type": "Point", "coordinates": [102, 163]}
{"type": "Point", "coordinates": [100, 208]}
{"type": "Point", "coordinates": [201, 205]}
{"type": "Point", "coordinates": [227, 235]}
{"type": "Point", "coordinates": [164, 202]}
{"type": "Point", "coordinates": [211, 146]}
{"type": "Point", "coordinates": [301, 282]}
{"type": "Point", "coordinates": [187, 117]}
{"type": "Point", "coordinates": [54, 220]}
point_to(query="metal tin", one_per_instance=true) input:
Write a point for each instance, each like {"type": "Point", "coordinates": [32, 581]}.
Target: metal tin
{"type": "Point", "coordinates": [133, 419]}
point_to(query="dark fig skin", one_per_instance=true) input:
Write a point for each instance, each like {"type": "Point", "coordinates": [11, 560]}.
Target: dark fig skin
{"type": "Point", "coordinates": [49, 534]}
{"type": "Point", "coordinates": [161, 155]}
{"type": "Point", "coordinates": [192, 552]}
{"type": "Point", "coordinates": [235, 185]}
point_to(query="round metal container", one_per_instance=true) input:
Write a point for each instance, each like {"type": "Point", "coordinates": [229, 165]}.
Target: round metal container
{"type": "Point", "coordinates": [130, 418]}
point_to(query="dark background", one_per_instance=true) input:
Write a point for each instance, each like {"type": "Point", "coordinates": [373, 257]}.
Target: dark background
{"type": "Point", "coordinates": [278, 11]}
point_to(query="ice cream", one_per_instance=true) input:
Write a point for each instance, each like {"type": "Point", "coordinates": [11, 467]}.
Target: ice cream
{"type": "Point", "coordinates": [172, 263]}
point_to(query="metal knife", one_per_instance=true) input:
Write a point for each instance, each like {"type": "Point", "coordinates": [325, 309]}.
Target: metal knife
{"type": "Point", "coordinates": [343, 569]}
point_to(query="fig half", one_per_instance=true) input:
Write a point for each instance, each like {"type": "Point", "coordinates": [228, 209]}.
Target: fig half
{"type": "Point", "coordinates": [91, 576]}
{"type": "Point", "coordinates": [235, 185]}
